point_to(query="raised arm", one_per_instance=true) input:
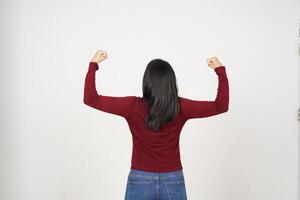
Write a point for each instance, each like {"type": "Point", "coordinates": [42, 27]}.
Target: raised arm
{"type": "Point", "coordinates": [198, 109]}
{"type": "Point", "coordinates": [121, 106]}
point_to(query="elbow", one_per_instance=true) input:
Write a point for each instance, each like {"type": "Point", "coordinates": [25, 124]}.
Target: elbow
{"type": "Point", "coordinates": [223, 109]}
{"type": "Point", "coordinates": [86, 101]}
{"type": "Point", "coordinates": [226, 109]}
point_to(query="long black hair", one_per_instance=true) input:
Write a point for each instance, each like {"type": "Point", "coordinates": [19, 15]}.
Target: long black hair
{"type": "Point", "coordinates": [160, 93]}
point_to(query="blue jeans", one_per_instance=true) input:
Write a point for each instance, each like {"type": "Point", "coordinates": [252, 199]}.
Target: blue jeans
{"type": "Point", "coordinates": [143, 185]}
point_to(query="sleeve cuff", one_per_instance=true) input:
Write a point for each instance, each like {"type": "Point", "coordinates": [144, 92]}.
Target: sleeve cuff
{"type": "Point", "coordinates": [93, 65]}
{"type": "Point", "coordinates": [220, 70]}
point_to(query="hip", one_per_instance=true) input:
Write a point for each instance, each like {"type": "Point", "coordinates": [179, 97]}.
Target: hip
{"type": "Point", "coordinates": [160, 185]}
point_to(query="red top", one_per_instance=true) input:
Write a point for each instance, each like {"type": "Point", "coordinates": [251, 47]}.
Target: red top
{"type": "Point", "coordinates": [155, 152]}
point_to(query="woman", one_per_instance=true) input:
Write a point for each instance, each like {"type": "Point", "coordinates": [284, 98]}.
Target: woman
{"type": "Point", "coordinates": [155, 121]}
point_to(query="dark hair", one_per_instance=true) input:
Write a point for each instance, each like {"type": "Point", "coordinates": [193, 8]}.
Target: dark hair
{"type": "Point", "coordinates": [160, 93]}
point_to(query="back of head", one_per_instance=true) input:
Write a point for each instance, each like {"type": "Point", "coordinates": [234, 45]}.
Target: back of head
{"type": "Point", "coordinates": [160, 93]}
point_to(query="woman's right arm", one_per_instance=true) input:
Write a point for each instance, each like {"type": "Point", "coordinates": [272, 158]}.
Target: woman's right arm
{"type": "Point", "coordinates": [198, 109]}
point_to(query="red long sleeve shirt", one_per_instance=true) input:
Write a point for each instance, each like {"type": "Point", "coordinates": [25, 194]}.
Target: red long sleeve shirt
{"type": "Point", "coordinates": [155, 152]}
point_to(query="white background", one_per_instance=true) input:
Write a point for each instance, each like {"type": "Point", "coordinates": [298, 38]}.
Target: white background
{"type": "Point", "coordinates": [53, 147]}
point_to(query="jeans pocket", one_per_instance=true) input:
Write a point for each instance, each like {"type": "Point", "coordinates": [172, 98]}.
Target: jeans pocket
{"type": "Point", "coordinates": [137, 189]}
{"type": "Point", "coordinates": [176, 190]}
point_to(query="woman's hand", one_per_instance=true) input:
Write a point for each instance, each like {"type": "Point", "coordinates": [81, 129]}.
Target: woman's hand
{"type": "Point", "coordinates": [214, 62]}
{"type": "Point", "coordinates": [99, 56]}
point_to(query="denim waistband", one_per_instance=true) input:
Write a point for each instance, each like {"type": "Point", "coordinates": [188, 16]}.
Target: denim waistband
{"type": "Point", "coordinates": [155, 175]}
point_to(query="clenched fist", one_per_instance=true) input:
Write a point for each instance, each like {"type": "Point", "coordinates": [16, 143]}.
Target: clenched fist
{"type": "Point", "coordinates": [99, 56]}
{"type": "Point", "coordinates": [214, 62]}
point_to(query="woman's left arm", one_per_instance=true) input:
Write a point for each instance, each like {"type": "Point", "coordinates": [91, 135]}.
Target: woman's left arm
{"type": "Point", "coordinates": [121, 106]}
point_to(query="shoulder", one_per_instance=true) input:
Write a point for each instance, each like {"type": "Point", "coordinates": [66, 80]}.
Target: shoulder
{"type": "Point", "coordinates": [133, 98]}
{"type": "Point", "coordinates": [183, 100]}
